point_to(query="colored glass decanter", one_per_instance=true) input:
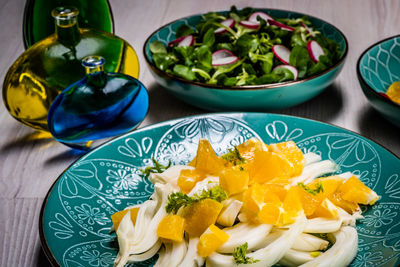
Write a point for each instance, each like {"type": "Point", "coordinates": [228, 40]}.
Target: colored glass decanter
{"type": "Point", "coordinates": [49, 66]}
{"type": "Point", "coordinates": [39, 24]}
{"type": "Point", "coordinates": [98, 106]}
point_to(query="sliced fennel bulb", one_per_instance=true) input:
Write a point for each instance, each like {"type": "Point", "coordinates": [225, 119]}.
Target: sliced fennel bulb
{"type": "Point", "coordinates": [268, 255]}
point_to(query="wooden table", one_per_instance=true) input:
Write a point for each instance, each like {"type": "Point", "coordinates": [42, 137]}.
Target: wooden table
{"type": "Point", "coordinates": [29, 165]}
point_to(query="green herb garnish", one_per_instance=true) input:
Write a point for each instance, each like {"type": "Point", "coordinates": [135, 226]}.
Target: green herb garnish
{"type": "Point", "coordinates": [157, 168]}
{"type": "Point", "coordinates": [240, 257]}
{"type": "Point", "coordinates": [178, 200]}
{"type": "Point", "coordinates": [315, 191]}
{"type": "Point", "coordinates": [234, 156]}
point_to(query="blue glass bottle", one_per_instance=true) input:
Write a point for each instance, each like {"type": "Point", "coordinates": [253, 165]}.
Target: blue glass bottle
{"type": "Point", "coordinates": [98, 106]}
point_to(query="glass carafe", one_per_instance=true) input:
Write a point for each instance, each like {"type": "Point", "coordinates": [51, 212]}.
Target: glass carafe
{"type": "Point", "coordinates": [45, 69]}
{"type": "Point", "coordinates": [98, 106]}
{"type": "Point", "coordinates": [39, 24]}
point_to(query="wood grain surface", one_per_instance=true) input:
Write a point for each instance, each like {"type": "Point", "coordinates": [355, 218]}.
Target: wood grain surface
{"type": "Point", "coordinates": [29, 164]}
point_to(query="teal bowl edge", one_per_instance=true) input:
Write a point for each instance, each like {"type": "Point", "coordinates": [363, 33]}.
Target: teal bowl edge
{"type": "Point", "coordinates": [387, 108]}
{"type": "Point", "coordinates": [161, 75]}
{"type": "Point", "coordinates": [248, 100]}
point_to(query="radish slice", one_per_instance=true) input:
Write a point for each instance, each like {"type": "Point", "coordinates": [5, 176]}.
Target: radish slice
{"type": "Point", "coordinates": [253, 17]}
{"type": "Point", "coordinates": [290, 68]}
{"type": "Point", "coordinates": [307, 28]}
{"type": "Point", "coordinates": [280, 25]}
{"type": "Point", "coordinates": [250, 24]}
{"type": "Point", "coordinates": [315, 50]}
{"type": "Point", "coordinates": [182, 41]}
{"type": "Point", "coordinates": [223, 57]}
{"type": "Point", "coordinates": [282, 53]}
{"type": "Point", "coordinates": [228, 23]}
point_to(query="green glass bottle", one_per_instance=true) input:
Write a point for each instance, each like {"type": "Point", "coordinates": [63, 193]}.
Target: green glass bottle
{"type": "Point", "coordinates": [39, 24]}
{"type": "Point", "coordinates": [45, 69]}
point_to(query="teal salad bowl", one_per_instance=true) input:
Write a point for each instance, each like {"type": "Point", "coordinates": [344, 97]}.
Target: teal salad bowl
{"type": "Point", "coordinates": [247, 97]}
{"type": "Point", "coordinates": [75, 217]}
{"type": "Point", "coordinates": [377, 68]}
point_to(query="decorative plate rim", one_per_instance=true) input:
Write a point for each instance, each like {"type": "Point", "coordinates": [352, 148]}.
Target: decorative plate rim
{"type": "Point", "coordinates": [42, 237]}
{"type": "Point", "coordinates": [246, 87]}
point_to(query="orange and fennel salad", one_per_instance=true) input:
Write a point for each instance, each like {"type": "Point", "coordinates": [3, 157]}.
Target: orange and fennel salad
{"type": "Point", "coordinates": [256, 205]}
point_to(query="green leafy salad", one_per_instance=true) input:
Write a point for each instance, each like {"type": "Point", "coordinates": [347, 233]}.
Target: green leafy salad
{"type": "Point", "coordinates": [246, 47]}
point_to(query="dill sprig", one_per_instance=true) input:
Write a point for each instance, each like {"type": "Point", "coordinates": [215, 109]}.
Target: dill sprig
{"type": "Point", "coordinates": [178, 200]}
{"type": "Point", "coordinates": [240, 257]}
{"type": "Point", "coordinates": [319, 188]}
{"type": "Point", "coordinates": [157, 168]}
{"type": "Point", "coordinates": [234, 156]}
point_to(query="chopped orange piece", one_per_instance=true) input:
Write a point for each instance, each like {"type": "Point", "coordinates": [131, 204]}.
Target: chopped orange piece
{"type": "Point", "coordinates": [171, 228]}
{"type": "Point", "coordinates": [118, 216]}
{"type": "Point", "coordinates": [192, 163]}
{"type": "Point", "coordinates": [200, 215]}
{"type": "Point", "coordinates": [269, 165]}
{"type": "Point", "coordinates": [248, 149]}
{"type": "Point", "coordinates": [350, 207]}
{"type": "Point", "coordinates": [290, 150]}
{"type": "Point", "coordinates": [254, 198]}
{"type": "Point", "coordinates": [234, 181]}
{"type": "Point", "coordinates": [394, 92]}
{"type": "Point", "coordinates": [187, 180]}
{"type": "Point", "coordinates": [278, 187]}
{"type": "Point", "coordinates": [206, 159]}
{"type": "Point", "coordinates": [354, 190]}
{"type": "Point", "coordinates": [309, 201]}
{"type": "Point", "coordinates": [326, 210]}
{"type": "Point", "coordinates": [329, 184]}
{"type": "Point", "coordinates": [271, 197]}
{"type": "Point", "coordinates": [291, 205]}
{"type": "Point", "coordinates": [211, 240]}
{"type": "Point", "coordinates": [270, 213]}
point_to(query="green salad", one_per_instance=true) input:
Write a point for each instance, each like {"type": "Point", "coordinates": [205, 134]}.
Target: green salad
{"type": "Point", "coordinates": [246, 47]}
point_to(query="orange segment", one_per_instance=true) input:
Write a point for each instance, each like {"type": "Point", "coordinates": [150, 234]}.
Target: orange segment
{"type": "Point", "coordinates": [187, 180]}
{"type": "Point", "coordinates": [326, 210]}
{"type": "Point", "coordinates": [271, 210]}
{"type": "Point", "coordinates": [234, 181]}
{"type": "Point", "coordinates": [270, 214]}
{"type": "Point", "coordinates": [329, 184]}
{"type": "Point", "coordinates": [269, 165]}
{"type": "Point", "coordinates": [292, 153]}
{"type": "Point", "coordinates": [171, 228]}
{"type": "Point", "coordinates": [278, 187]}
{"type": "Point", "coordinates": [206, 159]}
{"type": "Point", "coordinates": [394, 92]}
{"type": "Point", "coordinates": [350, 207]}
{"type": "Point", "coordinates": [200, 215]}
{"type": "Point", "coordinates": [354, 190]}
{"type": "Point", "coordinates": [291, 205]}
{"type": "Point", "coordinates": [211, 240]}
{"type": "Point", "coordinates": [118, 216]}
{"type": "Point", "coordinates": [254, 198]}
{"type": "Point", "coordinates": [309, 201]}
{"type": "Point", "coordinates": [248, 149]}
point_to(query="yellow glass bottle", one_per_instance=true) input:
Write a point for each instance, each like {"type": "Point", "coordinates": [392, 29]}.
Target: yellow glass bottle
{"type": "Point", "coordinates": [46, 68]}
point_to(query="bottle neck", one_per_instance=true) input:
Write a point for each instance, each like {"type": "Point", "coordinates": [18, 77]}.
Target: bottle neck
{"type": "Point", "coordinates": [97, 79]}
{"type": "Point", "coordinates": [68, 36]}
{"type": "Point", "coordinates": [94, 71]}
{"type": "Point", "coordinates": [66, 23]}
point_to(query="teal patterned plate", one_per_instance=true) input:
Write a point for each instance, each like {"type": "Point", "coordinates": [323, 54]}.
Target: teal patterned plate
{"type": "Point", "coordinates": [377, 68]}
{"type": "Point", "coordinates": [75, 217]}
